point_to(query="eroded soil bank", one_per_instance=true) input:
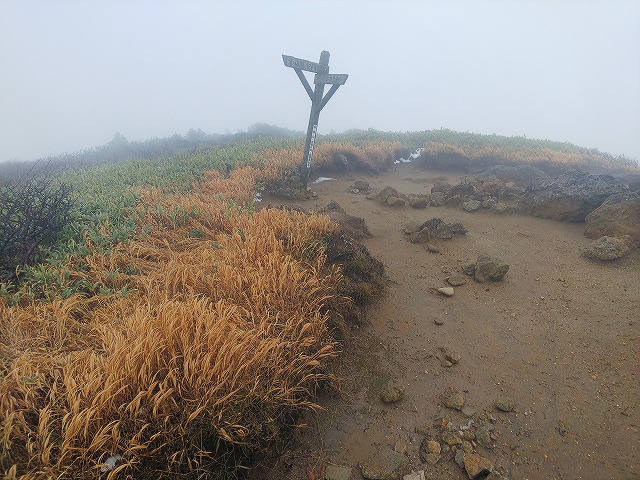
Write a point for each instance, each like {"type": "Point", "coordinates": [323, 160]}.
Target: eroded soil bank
{"type": "Point", "coordinates": [558, 336]}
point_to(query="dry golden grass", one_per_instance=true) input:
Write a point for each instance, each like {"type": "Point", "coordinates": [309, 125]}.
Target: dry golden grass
{"type": "Point", "coordinates": [485, 155]}
{"type": "Point", "coordinates": [222, 335]}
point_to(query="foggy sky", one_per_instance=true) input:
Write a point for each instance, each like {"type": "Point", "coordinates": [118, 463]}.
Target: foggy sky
{"type": "Point", "coordinates": [72, 73]}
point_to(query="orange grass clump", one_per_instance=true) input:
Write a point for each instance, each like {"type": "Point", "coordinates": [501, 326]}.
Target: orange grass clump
{"type": "Point", "coordinates": [221, 337]}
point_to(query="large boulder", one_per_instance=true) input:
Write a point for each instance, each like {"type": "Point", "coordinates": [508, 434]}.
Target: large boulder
{"type": "Point", "coordinates": [618, 215]}
{"type": "Point", "coordinates": [571, 196]}
{"type": "Point", "coordinates": [609, 248]}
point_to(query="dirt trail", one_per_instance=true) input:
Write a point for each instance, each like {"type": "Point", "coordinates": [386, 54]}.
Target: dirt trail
{"type": "Point", "coordinates": [559, 335]}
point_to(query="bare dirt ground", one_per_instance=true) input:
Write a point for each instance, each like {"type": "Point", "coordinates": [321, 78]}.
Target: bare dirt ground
{"type": "Point", "coordinates": [559, 336]}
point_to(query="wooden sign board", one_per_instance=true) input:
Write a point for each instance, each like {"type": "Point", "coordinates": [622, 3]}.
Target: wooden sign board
{"type": "Point", "coordinates": [332, 78]}
{"type": "Point", "coordinates": [305, 65]}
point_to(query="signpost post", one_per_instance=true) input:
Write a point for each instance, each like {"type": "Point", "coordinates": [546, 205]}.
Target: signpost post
{"type": "Point", "coordinates": [318, 99]}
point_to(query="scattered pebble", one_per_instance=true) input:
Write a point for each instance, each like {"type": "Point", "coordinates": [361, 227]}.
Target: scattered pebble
{"type": "Point", "coordinates": [455, 401]}
{"type": "Point", "coordinates": [446, 291]}
{"type": "Point", "coordinates": [392, 395]}
{"type": "Point", "coordinates": [504, 404]}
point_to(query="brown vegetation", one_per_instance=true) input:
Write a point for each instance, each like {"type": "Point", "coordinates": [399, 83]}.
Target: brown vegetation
{"type": "Point", "coordinates": [218, 335]}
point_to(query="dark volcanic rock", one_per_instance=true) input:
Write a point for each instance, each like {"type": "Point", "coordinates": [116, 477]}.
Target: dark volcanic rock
{"type": "Point", "coordinates": [571, 196]}
{"type": "Point", "coordinates": [438, 228]}
{"type": "Point", "coordinates": [618, 215]}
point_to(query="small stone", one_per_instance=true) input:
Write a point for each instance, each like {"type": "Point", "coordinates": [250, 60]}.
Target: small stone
{"type": "Point", "coordinates": [495, 476]}
{"type": "Point", "coordinates": [477, 466]}
{"type": "Point", "coordinates": [418, 202]}
{"type": "Point", "coordinates": [432, 248]}
{"type": "Point", "coordinates": [469, 270]}
{"type": "Point", "coordinates": [437, 199]}
{"type": "Point", "coordinates": [504, 404]}
{"type": "Point", "coordinates": [471, 205]}
{"type": "Point", "coordinates": [431, 446]}
{"type": "Point", "coordinates": [438, 321]}
{"type": "Point", "coordinates": [385, 465]}
{"type": "Point", "coordinates": [446, 363]}
{"type": "Point", "coordinates": [430, 458]}
{"type": "Point", "coordinates": [450, 355]}
{"type": "Point", "coordinates": [483, 437]}
{"type": "Point", "coordinates": [455, 401]}
{"type": "Point", "coordinates": [337, 472]}
{"type": "Point", "coordinates": [361, 185]}
{"type": "Point", "coordinates": [446, 291]}
{"type": "Point", "coordinates": [392, 395]}
{"type": "Point", "coordinates": [451, 438]}
{"type": "Point", "coordinates": [401, 447]}
{"type": "Point", "coordinates": [459, 458]}
{"type": "Point", "coordinates": [395, 201]}
{"type": "Point", "coordinates": [421, 236]}
{"type": "Point", "coordinates": [458, 228]}
{"type": "Point", "coordinates": [467, 447]}
{"type": "Point", "coordinates": [456, 280]}
{"type": "Point", "coordinates": [419, 475]}
{"type": "Point", "coordinates": [499, 207]}
{"type": "Point", "coordinates": [423, 429]}
{"type": "Point", "coordinates": [411, 227]}
{"type": "Point", "coordinates": [469, 411]}
{"type": "Point", "coordinates": [489, 268]}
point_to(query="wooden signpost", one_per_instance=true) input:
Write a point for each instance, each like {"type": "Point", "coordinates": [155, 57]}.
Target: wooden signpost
{"type": "Point", "coordinates": [318, 99]}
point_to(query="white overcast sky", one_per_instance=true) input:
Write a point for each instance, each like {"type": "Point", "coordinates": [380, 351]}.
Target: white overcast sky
{"type": "Point", "coordinates": [72, 73]}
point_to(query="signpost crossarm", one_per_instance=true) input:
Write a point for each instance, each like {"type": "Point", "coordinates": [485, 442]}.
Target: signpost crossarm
{"type": "Point", "coordinates": [305, 82]}
{"type": "Point", "coordinates": [327, 97]}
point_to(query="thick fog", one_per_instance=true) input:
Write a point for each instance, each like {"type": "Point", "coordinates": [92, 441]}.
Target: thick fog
{"type": "Point", "coordinates": [72, 73]}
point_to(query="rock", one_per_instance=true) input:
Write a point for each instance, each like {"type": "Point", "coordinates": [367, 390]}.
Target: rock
{"type": "Point", "coordinates": [504, 404]}
{"type": "Point", "coordinates": [395, 201]}
{"type": "Point", "coordinates": [455, 401]}
{"type": "Point", "coordinates": [488, 202]}
{"type": "Point", "coordinates": [361, 185]}
{"type": "Point", "coordinates": [446, 291]}
{"type": "Point", "coordinates": [450, 355]}
{"type": "Point", "coordinates": [499, 207]}
{"type": "Point", "coordinates": [421, 236]}
{"type": "Point", "coordinates": [467, 447]}
{"type": "Point", "coordinates": [337, 472]}
{"type": "Point", "coordinates": [353, 226]}
{"type": "Point", "coordinates": [441, 187]}
{"type": "Point", "coordinates": [451, 439]}
{"type": "Point", "coordinates": [437, 199]}
{"type": "Point", "coordinates": [571, 196]}
{"type": "Point", "coordinates": [468, 411]}
{"type": "Point", "coordinates": [446, 363]}
{"type": "Point", "coordinates": [469, 270]}
{"type": "Point", "coordinates": [438, 321]}
{"type": "Point", "coordinates": [476, 466]}
{"type": "Point", "coordinates": [401, 447]}
{"type": "Point", "coordinates": [458, 228]}
{"type": "Point", "coordinates": [431, 446]}
{"type": "Point", "coordinates": [430, 458]}
{"type": "Point", "coordinates": [438, 228]}
{"type": "Point", "coordinates": [411, 227]}
{"type": "Point", "coordinates": [459, 458]}
{"type": "Point", "coordinates": [471, 205]}
{"type": "Point", "coordinates": [384, 194]}
{"type": "Point", "coordinates": [495, 476]}
{"type": "Point", "coordinates": [432, 248]}
{"type": "Point", "coordinates": [392, 395]}
{"type": "Point", "coordinates": [618, 215]}
{"type": "Point", "coordinates": [609, 248]}
{"type": "Point", "coordinates": [385, 465]}
{"type": "Point", "coordinates": [483, 434]}
{"type": "Point", "coordinates": [454, 200]}
{"type": "Point", "coordinates": [419, 202]}
{"type": "Point", "coordinates": [456, 280]}
{"type": "Point", "coordinates": [490, 268]}
{"type": "Point", "coordinates": [419, 475]}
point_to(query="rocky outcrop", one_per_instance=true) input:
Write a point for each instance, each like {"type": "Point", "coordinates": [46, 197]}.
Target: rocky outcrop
{"type": "Point", "coordinates": [521, 175]}
{"type": "Point", "coordinates": [571, 196]}
{"type": "Point", "coordinates": [618, 215]}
